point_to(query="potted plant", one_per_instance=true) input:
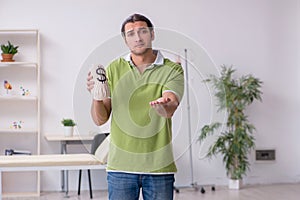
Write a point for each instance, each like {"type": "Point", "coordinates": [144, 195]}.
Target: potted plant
{"type": "Point", "coordinates": [68, 126]}
{"type": "Point", "coordinates": [8, 51]}
{"type": "Point", "coordinates": [236, 139]}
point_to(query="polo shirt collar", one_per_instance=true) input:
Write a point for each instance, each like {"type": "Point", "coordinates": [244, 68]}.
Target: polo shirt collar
{"type": "Point", "coordinates": [158, 61]}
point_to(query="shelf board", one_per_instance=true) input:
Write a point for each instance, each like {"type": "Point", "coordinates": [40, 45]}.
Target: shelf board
{"type": "Point", "coordinates": [22, 130]}
{"type": "Point", "coordinates": [21, 31]}
{"type": "Point", "coordinates": [19, 64]}
{"type": "Point", "coordinates": [21, 194]}
{"type": "Point", "coordinates": [17, 98]}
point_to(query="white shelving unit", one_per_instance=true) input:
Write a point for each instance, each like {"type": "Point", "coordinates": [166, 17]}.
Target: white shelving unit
{"type": "Point", "coordinates": [24, 75]}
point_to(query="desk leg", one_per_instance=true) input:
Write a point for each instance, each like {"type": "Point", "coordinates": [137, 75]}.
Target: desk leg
{"type": "Point", "coordinates": [66, 183]}
{"type": "Point", "coordinates": [63, 149]}
{"type": "Point", "coordinates": [65, 174]}
{"type": "Point", "coordinates": [0, 185]}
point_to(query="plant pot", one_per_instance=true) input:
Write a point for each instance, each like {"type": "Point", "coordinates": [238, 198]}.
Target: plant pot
{"type": "Point", "coordinates": [7, 57]}
{"type": "Point", "coordinates": [68, 131]}
{"type": "Point", "coordinates": [235, 184]}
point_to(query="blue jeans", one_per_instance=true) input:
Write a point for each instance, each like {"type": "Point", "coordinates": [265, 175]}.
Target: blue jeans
{"type": "Point", "coordinates": [126, 186]}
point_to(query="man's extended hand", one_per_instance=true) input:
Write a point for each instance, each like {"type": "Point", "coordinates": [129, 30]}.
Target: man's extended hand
{"type": "Point", "coordinates": [159, 101]}
{"type": "Point", "coordinates": [166, 105]}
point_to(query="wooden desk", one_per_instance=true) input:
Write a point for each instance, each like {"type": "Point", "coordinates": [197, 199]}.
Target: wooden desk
{"type": "Point", "coordinates": [47, 162]}
{"type": "Point", "coordinates": [64, 141]}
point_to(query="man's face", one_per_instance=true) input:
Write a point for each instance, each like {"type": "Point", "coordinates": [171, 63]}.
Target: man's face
{"type": "Point", "coordinates": [138, 37]}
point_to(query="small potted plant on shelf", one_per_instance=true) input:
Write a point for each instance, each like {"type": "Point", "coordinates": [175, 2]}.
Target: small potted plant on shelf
{"type": "Point", "coordinates": [8, 51]}
{"type": "Point", "coordinates": [236, 139]}
{"type": "Point", "coordinates": [68, 126]}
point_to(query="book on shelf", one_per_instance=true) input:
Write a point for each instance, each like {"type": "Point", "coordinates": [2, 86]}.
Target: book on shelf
{"type": "Point", "coordinates": [10, 152]}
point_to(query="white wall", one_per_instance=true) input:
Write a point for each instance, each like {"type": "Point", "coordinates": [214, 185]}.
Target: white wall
{"type": "Point", "coordinates": [260, 37]}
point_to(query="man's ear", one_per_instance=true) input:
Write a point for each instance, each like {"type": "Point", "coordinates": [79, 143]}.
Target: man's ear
{"type": "Point", "coordinates": [152, 35]}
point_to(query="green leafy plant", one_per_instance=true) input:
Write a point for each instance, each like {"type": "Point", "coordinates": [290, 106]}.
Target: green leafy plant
{"type": "Point", "coordinates": [236, 139]}
{"type": "Point", "coordinates": [68, 122]}
{"type": "Point", "coordinates": [9, 48]}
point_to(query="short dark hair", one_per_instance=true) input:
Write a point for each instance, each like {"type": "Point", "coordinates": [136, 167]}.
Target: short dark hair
{"type": "Point", "coordinates": [135, 18]}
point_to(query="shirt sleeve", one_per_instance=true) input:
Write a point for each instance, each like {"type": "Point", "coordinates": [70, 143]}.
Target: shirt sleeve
{"type": "Point", "coordinates": [175, 81]}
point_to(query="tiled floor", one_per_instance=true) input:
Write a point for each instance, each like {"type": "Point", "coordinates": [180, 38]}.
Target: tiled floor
{"type": "Point", "coordinates": [252, 192]}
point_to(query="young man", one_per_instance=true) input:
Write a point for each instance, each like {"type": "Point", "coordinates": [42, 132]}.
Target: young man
{"type": "Point", "coordinates": [145, 91]}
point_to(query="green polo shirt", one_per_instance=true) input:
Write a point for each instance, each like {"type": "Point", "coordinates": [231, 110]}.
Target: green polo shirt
{"type": "Point", "coordinates": [141, 140]}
